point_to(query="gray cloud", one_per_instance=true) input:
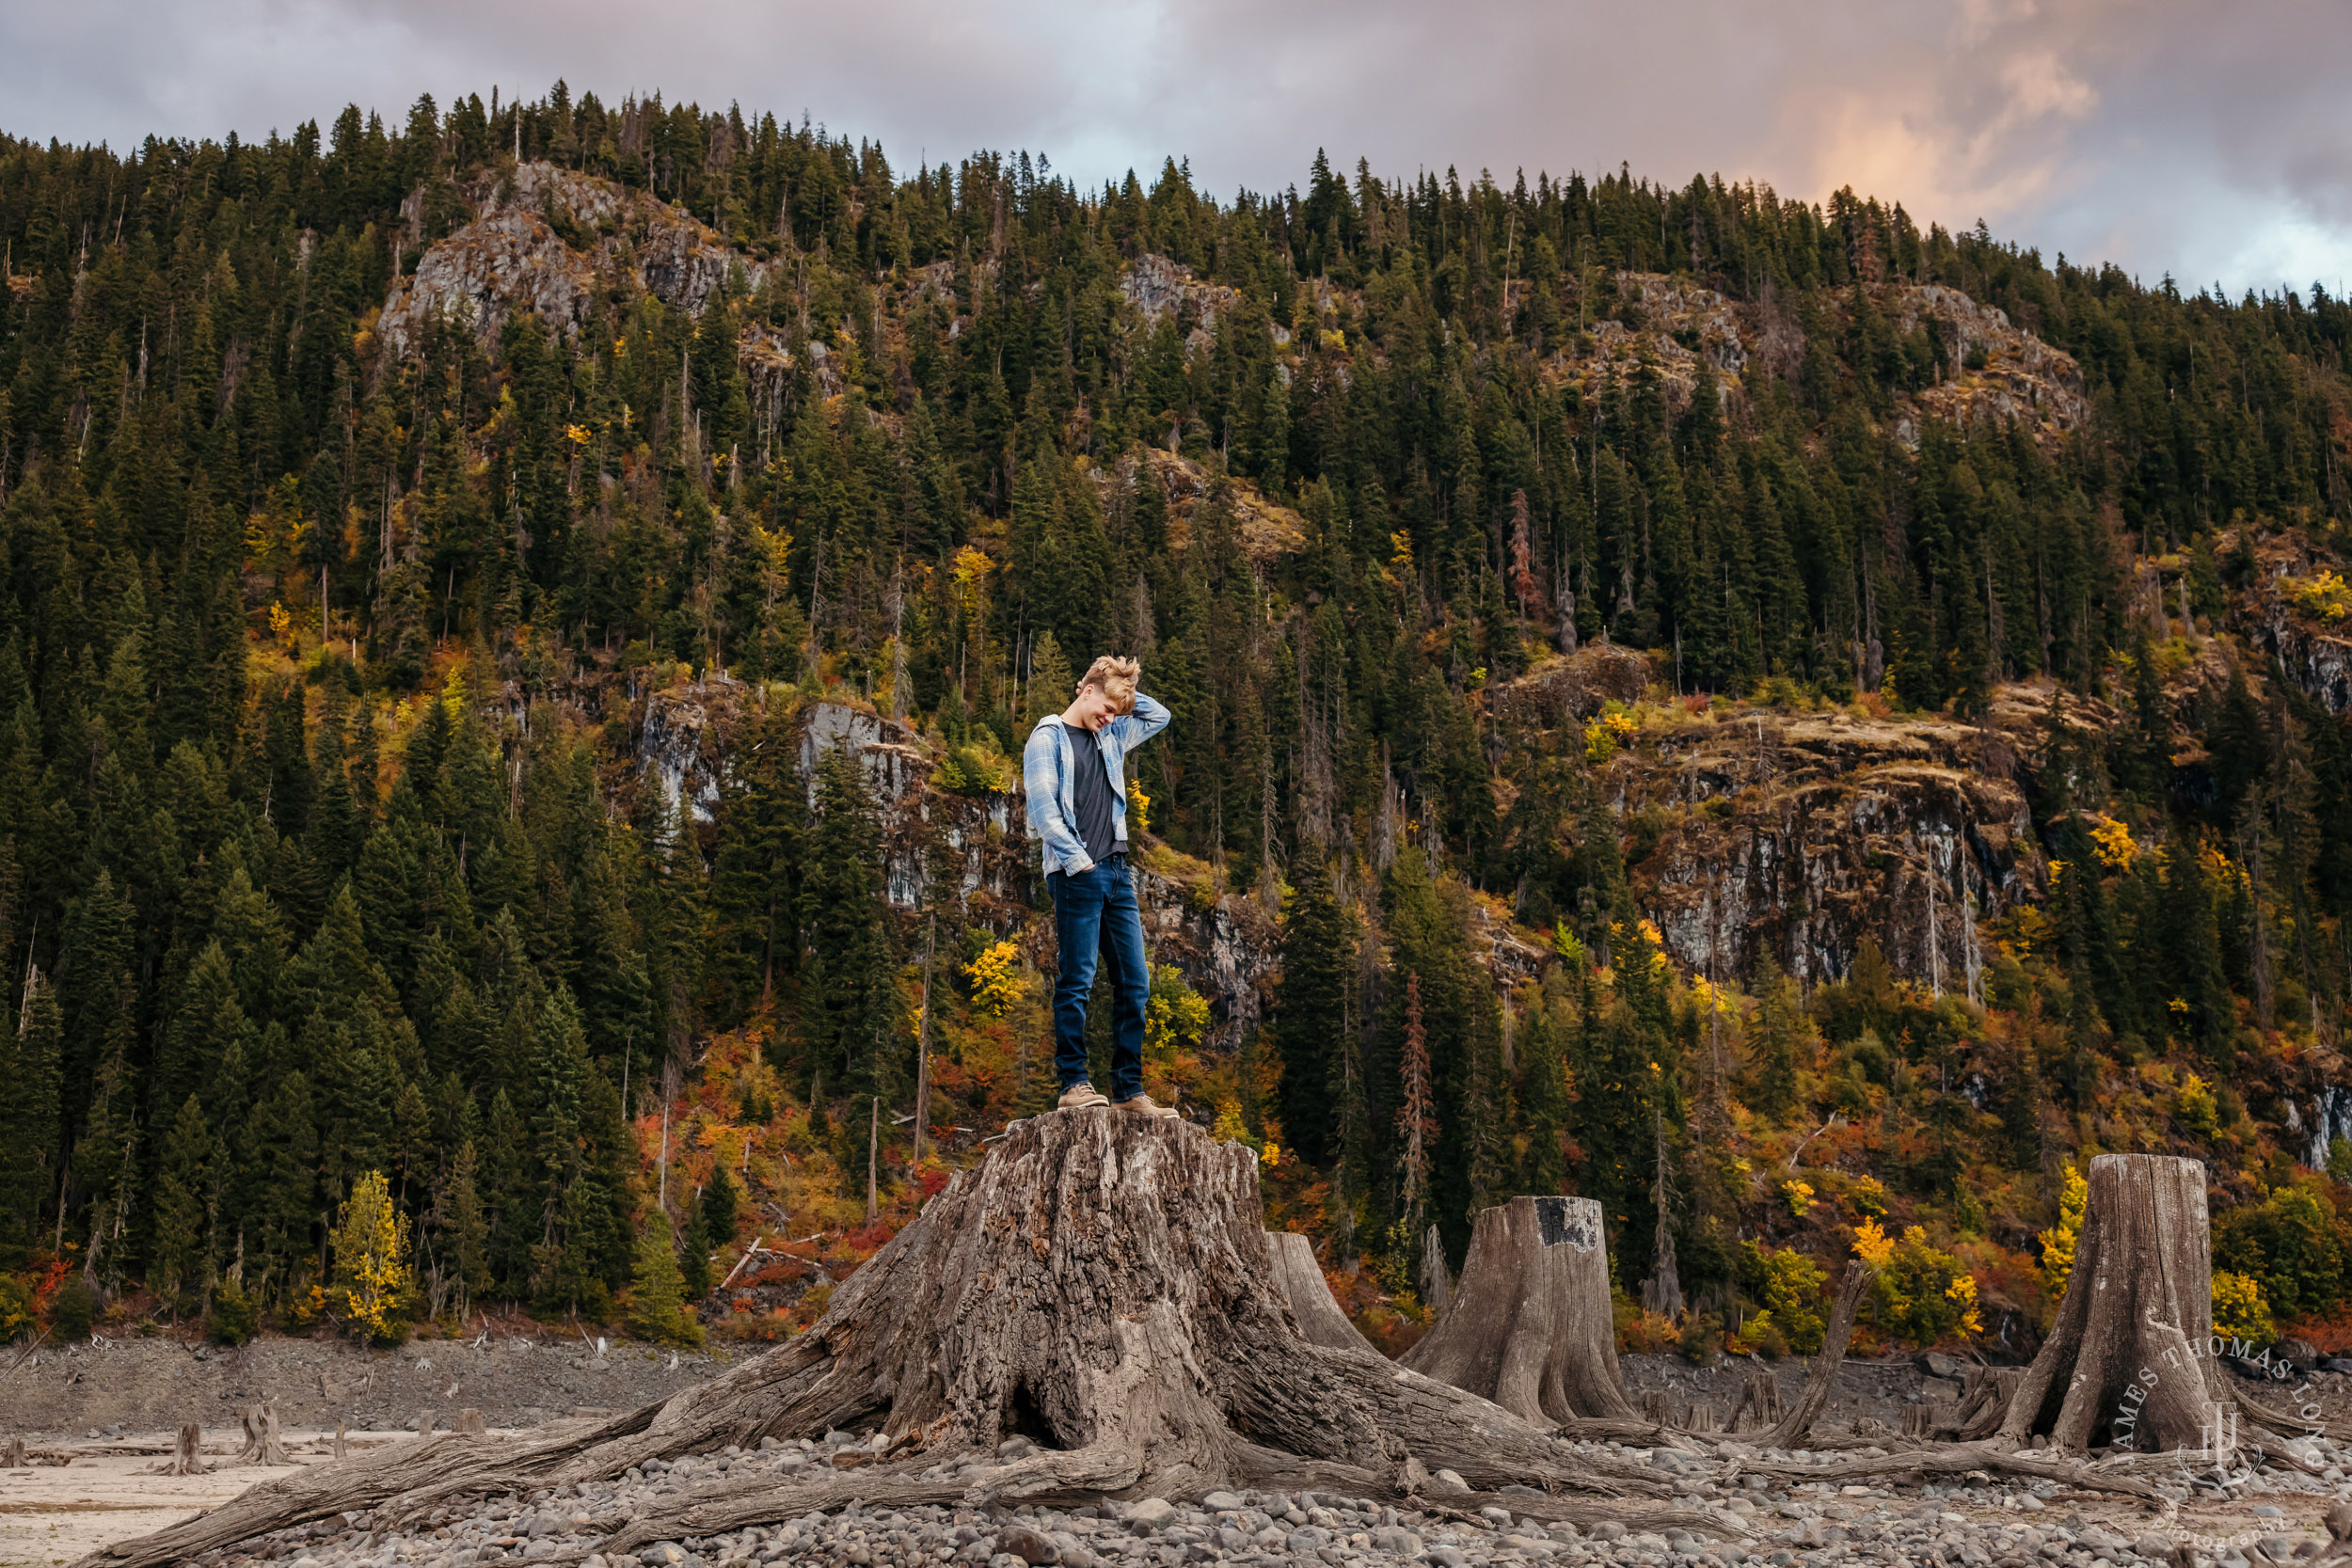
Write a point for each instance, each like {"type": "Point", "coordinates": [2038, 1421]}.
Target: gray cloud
{"type": "Point", "coordinates": [2211, 142]}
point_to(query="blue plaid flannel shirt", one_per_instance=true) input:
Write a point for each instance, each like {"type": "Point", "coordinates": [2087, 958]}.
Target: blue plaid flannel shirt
{"type": "Point", "coordinates": [1045, 780]}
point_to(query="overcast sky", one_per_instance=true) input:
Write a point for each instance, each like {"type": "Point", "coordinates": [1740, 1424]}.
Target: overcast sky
{"type": "Point", "coordinates": [2212, 141]}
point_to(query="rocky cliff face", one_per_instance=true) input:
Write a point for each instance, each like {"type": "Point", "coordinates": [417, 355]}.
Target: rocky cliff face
{"type": "Point", "coordinates": [546, 241]}
{"type": "Point", "coordinates": [1795, 835]}
{"type": "Point", "coordinates": [2000, 373]}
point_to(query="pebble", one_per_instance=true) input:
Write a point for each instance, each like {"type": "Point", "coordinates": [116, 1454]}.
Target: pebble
{"type": "Point", "coordinates": [1764, 1520]}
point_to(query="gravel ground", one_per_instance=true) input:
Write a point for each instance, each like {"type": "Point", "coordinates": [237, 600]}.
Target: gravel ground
{"type": "Point", "coordinates": [1981, 1522]}
{"type": "Point", "coordinates": [119, 1386]}
{"type": "Point", "coordinates": [75, 1407]}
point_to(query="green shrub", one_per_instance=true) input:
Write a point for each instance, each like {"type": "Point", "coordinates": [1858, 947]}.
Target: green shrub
{"type": "Point", "coordinates": [16, 1306]}
{"type": "Point", "coordinates": [2292, 1244]}
{"type": "Point", "coordinates": [229, 1316]}
{"type": "Point", "coordinates": [73, 1310]}
{"type": "Point", "coordinates": [1788, 1283]}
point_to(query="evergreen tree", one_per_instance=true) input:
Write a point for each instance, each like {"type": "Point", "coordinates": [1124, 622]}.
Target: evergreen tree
{"type": "Point", "coordinates": [1314, 1015]}
{"type": "Point", "coordinates": [180, 1262]}
{"type": "Point", "coordinates": [1776, 1044]}
{"type": "Point", "coordinates": [31, 1118]}
{"type": "Point", "coordinates": [850, 1001]}
{"type": "Point", "coordinates": [656, 1311]}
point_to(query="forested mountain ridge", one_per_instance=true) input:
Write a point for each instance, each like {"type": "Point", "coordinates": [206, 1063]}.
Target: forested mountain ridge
{"type": "Point", "coordinates": [1656, 670]}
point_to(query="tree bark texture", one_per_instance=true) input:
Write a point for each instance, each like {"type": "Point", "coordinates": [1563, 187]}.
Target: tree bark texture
{"type": "Point", "coordinates": [184, 1460]}
{"type": "Point", "coordinates": [1320, 1320]}
{"type": "Point", "coordinates": [2128, 1361]}
{"type": "Point", "coordinates": [1100, 1283]}
{"type": "Point", "coordinates": [1530, 1325]}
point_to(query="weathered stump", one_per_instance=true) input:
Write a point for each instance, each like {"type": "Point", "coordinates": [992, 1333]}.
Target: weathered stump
{"type": "Point", "coordinates": [470, 1424]}
{"type": "Point", "coordinates": [1985, 1393]}
{"type": "Point", "coordinates": [12, 1455]}
{"type": "Point", "coordinates": [1310, 1294]}
{"type": "Point", "coordinates": [1758, 1408]}
{"type": "Point", "coordinates": [1530, 1326]}
{"type": "Point", "coordinates": [2128, 1361]}
{"type": "Point", "coordinates": [1101, 1283]}
{"type": "Point", "coordinates": [262, 1445]}
{"type": "Point", "coordinates": [425, 1419]}
{"type": "Point", "coordinates": [342, 1431]}
{"type": "Point", "coordinates": [184, 1460]}
{"type": "Point", "coordinates": [1437, 1281]}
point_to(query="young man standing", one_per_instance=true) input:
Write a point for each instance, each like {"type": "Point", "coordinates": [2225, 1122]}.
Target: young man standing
{"type": "Point", "coordinates": [1073, 770]}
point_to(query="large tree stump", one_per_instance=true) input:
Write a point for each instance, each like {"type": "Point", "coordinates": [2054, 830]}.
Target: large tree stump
{"type": "Point", "coordinates": [1099, 1283]}
{"type": "Point", "coordinates": [2128, 1362]}
{"type": "Point", "coordinates": [1530, 1326]}
{"type": "Point", "coordinates": [1300, 1278]}
{"type": "Point", "coordinates": [262, 1445]}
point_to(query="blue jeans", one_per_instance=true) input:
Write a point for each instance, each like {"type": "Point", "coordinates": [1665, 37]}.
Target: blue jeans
{"type": "Point", "coordinates": [1095, 913]}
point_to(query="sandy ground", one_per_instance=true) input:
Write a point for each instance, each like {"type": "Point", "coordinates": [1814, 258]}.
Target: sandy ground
{"type": "Point", "coordinates": [55, 1513]}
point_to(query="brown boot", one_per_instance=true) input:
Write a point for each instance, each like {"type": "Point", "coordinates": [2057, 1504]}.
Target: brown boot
{"type": "Point", "coordinates": [1080, 1095]}
{"type": "Point", "coordinates": [1144, 1105]}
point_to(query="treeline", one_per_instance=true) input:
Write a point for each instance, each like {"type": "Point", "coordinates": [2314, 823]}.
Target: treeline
{"type": "Point", "coordinates": [283, 902]}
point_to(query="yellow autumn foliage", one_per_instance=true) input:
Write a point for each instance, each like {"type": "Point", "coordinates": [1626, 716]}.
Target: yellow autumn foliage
{"type": "Point", "coordinates": [2057, 1243]}
{"type": "Point", "coordinates": [996, 977]}
{"type": "Point", "coordinates": [371, 1250]}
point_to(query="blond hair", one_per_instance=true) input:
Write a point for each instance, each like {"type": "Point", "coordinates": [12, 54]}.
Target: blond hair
{"type": "Point", "coordinates": [1115, 677]}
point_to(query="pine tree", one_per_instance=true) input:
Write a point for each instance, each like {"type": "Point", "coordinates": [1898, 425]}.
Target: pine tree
{"type": "Point", "coordinates": [1050, 688]}
{"type": "Point", "coordinates": [466, 1231]}
{"type": "Point", "coordinates": [32, 1125]}
{"type": "Point", "coordinates": [1775, 1044]}
{"type": "Point", "coordinates": [849, 1000]}
{"type": "Point", "coordinates": [1312, 1019]}
{"type": "Point", "coordinates": [718, 1207]}
{"type": "Point", "coordinates": [1416, 1121]}
{"type": "Point", "coordinates": [657, 1311]}
{"type": "Point", "coordinates": [179, 1260]}
{"type": "Point", "coordinates": [694, 1249]}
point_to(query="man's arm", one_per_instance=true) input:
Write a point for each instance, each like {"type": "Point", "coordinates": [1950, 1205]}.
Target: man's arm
{"type": "Point", "coordinates": [1150, 717]}
{"type": "Point", "coordinates": [1041, 782]}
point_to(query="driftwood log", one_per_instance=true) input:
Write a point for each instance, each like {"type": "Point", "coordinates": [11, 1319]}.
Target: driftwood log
{"type": "Point", "coordinates": [1529, 1326]}
{"type": "Point", "coordinates": [1099, 1283]}
{"type": "Point", "coordinates": [1793, 1427]}
{"type": "Point", "coordinates": [1320, 1320]}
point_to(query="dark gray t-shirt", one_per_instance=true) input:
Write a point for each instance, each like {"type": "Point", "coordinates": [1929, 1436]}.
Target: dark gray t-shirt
{"type": "Point", "coordinates": [1090, 790]}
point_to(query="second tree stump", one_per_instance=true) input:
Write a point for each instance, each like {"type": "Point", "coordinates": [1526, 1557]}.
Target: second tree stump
{"type": "Point", "coordinates": [1530, 1326]}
